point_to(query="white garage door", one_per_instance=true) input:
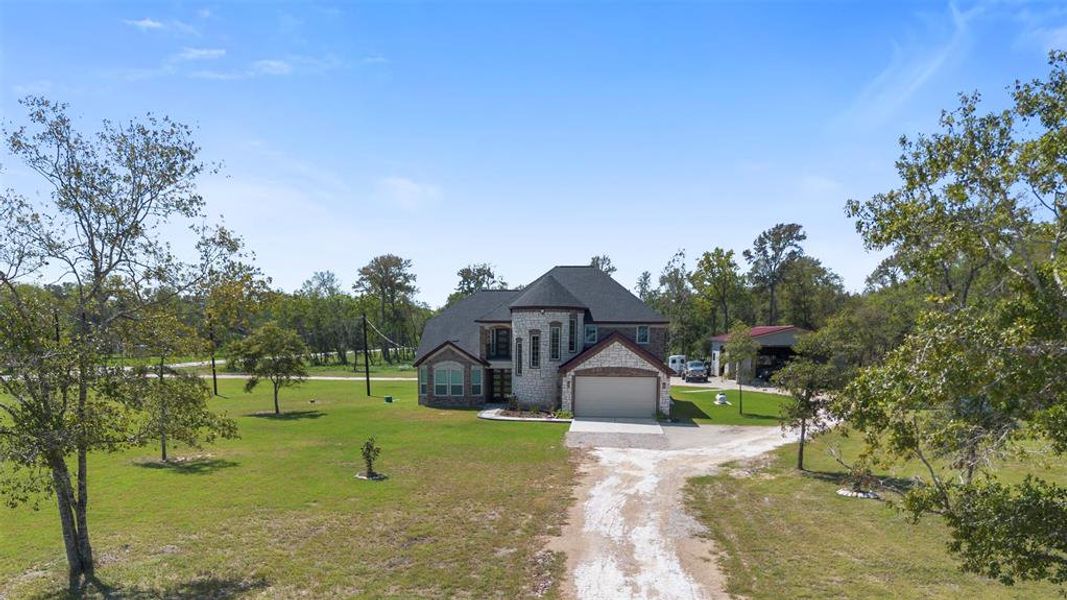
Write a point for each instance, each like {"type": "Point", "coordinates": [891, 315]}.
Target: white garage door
{"type": "Point", "coordinates": [632, 397]}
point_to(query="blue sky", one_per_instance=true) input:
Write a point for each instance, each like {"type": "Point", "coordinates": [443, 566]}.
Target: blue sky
{"type": "Point", "coordinates": [527, 135]}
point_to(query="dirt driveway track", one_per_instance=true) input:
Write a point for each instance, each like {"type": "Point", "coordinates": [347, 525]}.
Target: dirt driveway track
{"type": "Point", "coordinates": [628, 535]}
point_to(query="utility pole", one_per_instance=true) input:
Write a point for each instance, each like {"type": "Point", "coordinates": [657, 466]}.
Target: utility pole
{"type": "Point", "coordinates": [366, 354]}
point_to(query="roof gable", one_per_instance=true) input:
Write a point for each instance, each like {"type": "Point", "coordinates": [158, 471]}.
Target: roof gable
{"type": "Point", "coordinates": [614, 338]}
{"type": "Point", "coordinates": [546, 292]}
{"type": "Point", "coordinates": [458, 323]}
{"type": "Point", "coordinates": [606, 299]}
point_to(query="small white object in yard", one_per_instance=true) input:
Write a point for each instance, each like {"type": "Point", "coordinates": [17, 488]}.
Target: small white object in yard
{"type": "Point", "coordinates": [857, 494]}
{"type": "Point", "coordinates": [720, 399]}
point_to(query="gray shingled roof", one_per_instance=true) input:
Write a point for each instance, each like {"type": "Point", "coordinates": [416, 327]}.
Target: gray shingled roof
{"type": "Point", "coordinates": [546, 292]}
{"type": "Point", "coordinates": [457, 323]}
{"type": "Point", "coordinates": [563, 287]}
{"type": "Point", "coordinates": [606, 299]}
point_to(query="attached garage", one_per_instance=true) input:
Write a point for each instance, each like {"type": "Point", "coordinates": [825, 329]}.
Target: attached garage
{"type": "Point", "coordinates": [615, 379]}
{"type": "Point", "coordinates": [615, 397]}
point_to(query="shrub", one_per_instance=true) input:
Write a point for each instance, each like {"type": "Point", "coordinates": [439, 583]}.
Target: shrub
{"type": "Point", "coordinates": [370, 454]}
{"type": "Point", "coordinates": [563, 414]}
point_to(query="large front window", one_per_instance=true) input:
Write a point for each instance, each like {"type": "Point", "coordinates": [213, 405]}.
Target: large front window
{"type": "Point", "coordinates": [440, 382]}
{"type": "Point", "coordinates": [448, 381]}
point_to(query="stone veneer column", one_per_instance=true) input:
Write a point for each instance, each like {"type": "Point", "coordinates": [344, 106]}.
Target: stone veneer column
{"type": "Point", "coordinates": [540, 387]}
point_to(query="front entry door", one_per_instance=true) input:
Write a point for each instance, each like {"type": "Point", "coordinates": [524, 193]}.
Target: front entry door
{"type": "Point", "coordinates": [501, 383]}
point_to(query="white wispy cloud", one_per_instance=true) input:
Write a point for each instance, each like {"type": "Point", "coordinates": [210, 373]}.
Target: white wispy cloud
{"type": "Point", "coordinates": [200, 54]}
{"type": "Point", "coordinates": [374, 59]}
{"type": "Point", "coordinates": [39, 86]}
{"type": "Point", "coordinates": [405, 193]}
{"type": "Point", "coordinates": [272, 66]}
{"type": "Point", "coordinates": [144, 24]}
{"type": "Point", "coordinates": [912, 65]}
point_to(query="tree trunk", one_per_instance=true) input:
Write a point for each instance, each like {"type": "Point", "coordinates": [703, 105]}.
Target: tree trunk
{"type": "Point", "coordinates": [162, 415]}
{"type": "Point", "coordinates": [85, 550]}
{"type": "Point", "coordinates": [214, 375]}
{"type": "Point", "coordinates": [277, 410]}
{"type": "Point", "coordinates": [385, 345]}
{"type": "Point", "coordinates": [81, 513]}
{"type": "Point", "coordinates": [800, 448]}
{"type": "Point", "coordinates": [740, 393]}
{"type": "Point", "coordinates": [773, 320]}
{"type": "Point", "coordinates": [65, 502]}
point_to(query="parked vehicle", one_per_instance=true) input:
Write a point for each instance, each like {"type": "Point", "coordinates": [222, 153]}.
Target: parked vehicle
{"type": "Point", "coordinates": [696, 370]}
{"type": "Point", "coordinates": [676, 363]}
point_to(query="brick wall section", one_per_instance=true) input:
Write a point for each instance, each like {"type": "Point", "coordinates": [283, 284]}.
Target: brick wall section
{"type": "Point", "coordinates": [617, 361]}
{"type": "Point", "coordinates": [467, 400]}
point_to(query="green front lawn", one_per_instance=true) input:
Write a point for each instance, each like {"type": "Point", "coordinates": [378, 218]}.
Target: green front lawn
{"type": "Point", "coordinates": [280, 513]}
{"type": "Point", "coordinates": [787, 534]}
{"type": "Point", "coordinates": [697, 405]}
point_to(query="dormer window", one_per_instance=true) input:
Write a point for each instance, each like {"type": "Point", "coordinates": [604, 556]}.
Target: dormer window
{"type": "Point", "coordinates": [590, 334]}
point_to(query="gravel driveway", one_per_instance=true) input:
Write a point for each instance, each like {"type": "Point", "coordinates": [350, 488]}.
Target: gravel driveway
{"type": "Point", "coordinates": [628, 535]}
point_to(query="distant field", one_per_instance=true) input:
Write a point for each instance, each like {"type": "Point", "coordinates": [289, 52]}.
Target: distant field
{"type": "Point", "coordinates": [786, 534]}
{"type": "Point", "coordinates": [697, 405]}
{"type": "Point", "coordinates": [279, 513]}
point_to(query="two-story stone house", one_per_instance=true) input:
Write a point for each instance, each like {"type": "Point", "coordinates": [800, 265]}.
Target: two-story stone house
{"type": "Point", "coordinates": [573, 339]}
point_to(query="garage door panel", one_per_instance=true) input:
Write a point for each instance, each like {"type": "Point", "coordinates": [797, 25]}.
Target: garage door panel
{"type": "Point", "coordinates": [615, 397]}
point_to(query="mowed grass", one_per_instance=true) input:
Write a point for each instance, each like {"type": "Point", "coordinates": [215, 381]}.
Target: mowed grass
{"type": "Point", "coordinates": [787, 534]}
{"type": "Point", "coordinates": [279, 513]}
{"type": "Point", "coordinates": [697, 405]}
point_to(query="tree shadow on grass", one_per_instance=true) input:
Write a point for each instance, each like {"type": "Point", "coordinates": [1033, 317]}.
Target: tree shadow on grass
{"type": "Point", "coordinates": [884, 482]}
{"type": "Point", "coordinates": [216, 588]}
{"type": "Point", "coordinates": [197, 466]}
{"type": "Point", "coordinates": [686, 412]}
{"type": "Point", "coordinates": [293, 415]}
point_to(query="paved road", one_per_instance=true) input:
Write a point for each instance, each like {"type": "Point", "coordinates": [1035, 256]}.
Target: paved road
{"type": "Point", "coordinates": [628, 535]}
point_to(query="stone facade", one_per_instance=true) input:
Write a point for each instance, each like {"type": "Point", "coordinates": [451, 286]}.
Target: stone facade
{"type": "Point", "coordinates": [540, 387]}
{"type": "Point", "coordinates": [617, 360]}
{"type": "Point", "coordinates": [450, 358]}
